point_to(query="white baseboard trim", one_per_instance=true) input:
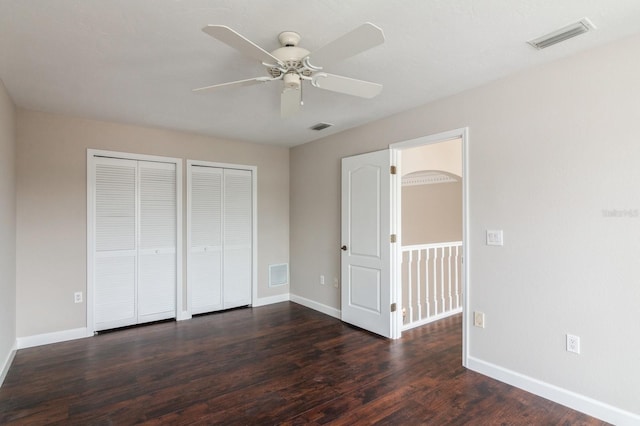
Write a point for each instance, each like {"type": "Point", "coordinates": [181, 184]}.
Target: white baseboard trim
{"type": "Point", "coordinates": [183, 315]}
{"type": "Point", "coordinates": [328, 310]}
{"type": "Point", "coordinates": [270, 300]}
{"type": "Point", "coordinates": [570, 399]}
{"type": "Point", "coordinates": [55, 337]}
{"type": "Point", "coordinates": [7, 362]}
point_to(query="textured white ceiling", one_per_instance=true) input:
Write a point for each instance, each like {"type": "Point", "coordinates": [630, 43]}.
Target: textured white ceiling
{"type": "Point", "coordinates": [136, 61]}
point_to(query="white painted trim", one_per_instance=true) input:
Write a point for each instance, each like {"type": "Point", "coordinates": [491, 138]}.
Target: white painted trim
{"type": "Point", "coordinates": [429, 139]}
{"type": "Point", "coordinates": [55, 337]}
{"type": "Point", "coordinates": [428, 177]}
{"type": "Point", "coordinates": [91, 153]}
{"type": "Point", "coordinates": [270, 300]}
{"type": "Point", "coordinates": [254, 224]}
{"type": "Point", "coordinates": [562, 396]}
{"type": "Point", "coordinates": [396, 249]}
{"type": "Point", "coordinates": [328, 310]}
{"type": "Point", "coordinates": [183, 315]}
{"type": "Point", "coordinates": [431, 319]}
{"type": "Point", "coordinates": [7, 362]}
{"type": "Point", "coordinates": [463, 134]}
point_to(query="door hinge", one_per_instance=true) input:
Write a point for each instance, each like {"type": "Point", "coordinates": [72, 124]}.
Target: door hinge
{"type": "Point", "coordinates": [394, 307]}
{"type": "Point", "coordinates": [394, 238]}
{"type": "Point", "coordinates": [393, 170]}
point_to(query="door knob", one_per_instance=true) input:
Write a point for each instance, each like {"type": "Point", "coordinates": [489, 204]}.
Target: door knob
{"type": "Point", "coordinates": [343, 248]}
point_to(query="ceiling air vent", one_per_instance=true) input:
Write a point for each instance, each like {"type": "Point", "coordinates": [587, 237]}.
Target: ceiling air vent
{"type": "Point", "coordinates": [320, 126]}
{"type": "Point", "coordinates": [565, 33]}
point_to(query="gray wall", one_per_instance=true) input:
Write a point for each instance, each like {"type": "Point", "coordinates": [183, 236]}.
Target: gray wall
{"type": "Point", "coordinates": [52, 206]}
{"type": "Point", "coordinates": [7, 227]}
{"type": "Point", "coordinates": [549, 149]}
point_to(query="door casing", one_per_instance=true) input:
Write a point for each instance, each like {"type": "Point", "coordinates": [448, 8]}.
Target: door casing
{"type": "Point", "coordinates": [396, 148]}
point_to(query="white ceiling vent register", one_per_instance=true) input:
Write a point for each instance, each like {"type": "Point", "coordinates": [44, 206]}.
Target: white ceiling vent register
{"type": "Point", "coordinates": [565, 33]}
{"type": "Point", "coordinates": [278, 274]}
{"type": "Point", "coordinates": [427, 177]}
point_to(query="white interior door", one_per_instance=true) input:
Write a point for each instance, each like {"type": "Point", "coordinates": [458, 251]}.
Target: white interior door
{"type": "Point", "coordinates": [205, 251]}
{"type": "Point", "coordinates": [237, 271]}
{"type": "Point", "coordinates": [115, 251]}
{"type": "Point", "coordinates": [157, 241]}
{"type": "Point", "coordinates": [366, 237]}
{"type": "Point", "coordinates": [220, 221]}
{"type": "Point", "coordinates": [134, 244]}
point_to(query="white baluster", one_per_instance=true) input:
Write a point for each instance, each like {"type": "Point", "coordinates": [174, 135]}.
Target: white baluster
{"type": "Point", "coordinates": [426, 282]}
{"type": "Point", "coordinates": [449, 289]}
{"type": "Point", "coordinates": [418, 284]}
{"type": "Point", "coordinates": [457, 292]}
{"type": "Point", "coordinates": [410, 291]}
{"type": "Point", "coordinates": [443, 307]}
{"type": "Point", "coordinates": [435, 281]}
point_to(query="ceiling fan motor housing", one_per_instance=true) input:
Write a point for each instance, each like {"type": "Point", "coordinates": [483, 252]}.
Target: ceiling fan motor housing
{"type": "Point", "coordinates": [291, 80]}
{"type": "Point", "coordinates": [288, 38]}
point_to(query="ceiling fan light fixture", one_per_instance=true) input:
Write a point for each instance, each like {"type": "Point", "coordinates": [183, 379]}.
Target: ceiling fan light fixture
{"type": "Point", "coordinates": [565, 33]}
{"type": "Point", "coordinates": [320, 126]}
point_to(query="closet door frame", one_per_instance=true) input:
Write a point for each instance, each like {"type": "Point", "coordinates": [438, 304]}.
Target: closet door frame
{"type": "Point", "coordinates": [91, 169]}
{"type": "Point", "coordinates": [254, 221]}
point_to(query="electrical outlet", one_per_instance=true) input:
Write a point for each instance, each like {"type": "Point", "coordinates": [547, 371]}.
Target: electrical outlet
{"type": "Point", "coordinates": [478, 319]}
{"type": "Point", "coordinates": [336, 283]}
{"type": "Point", "coordinates": [77, 297]}
{"type": "Point", "coordinates": [573, 343]}
{"type": "Point", "coordinates": [321, 279]}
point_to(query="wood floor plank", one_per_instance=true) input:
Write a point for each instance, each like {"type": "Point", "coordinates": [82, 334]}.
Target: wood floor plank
{"type": "Point", "coordinates": [277, 364]}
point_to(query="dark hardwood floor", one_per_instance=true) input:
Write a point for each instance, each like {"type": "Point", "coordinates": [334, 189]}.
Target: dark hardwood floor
{"type": "Point", "coordinates": [277, 364]}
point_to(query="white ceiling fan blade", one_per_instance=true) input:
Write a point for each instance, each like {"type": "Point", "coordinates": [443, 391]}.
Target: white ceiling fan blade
{"type": "Point", "coordinates": [290, 102]}
{"type": "Point", "coordinates": [240, 43]}
{"type": "Point", "coordinates": [349, 86]}
{"type": "Point", "coordinates": [247, 82]}
{"type": "Point", "coordinates": [362, 38]}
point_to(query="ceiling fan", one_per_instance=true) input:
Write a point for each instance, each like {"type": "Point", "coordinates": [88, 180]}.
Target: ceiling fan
{"type": "Point", "coordinates": [294, 65]}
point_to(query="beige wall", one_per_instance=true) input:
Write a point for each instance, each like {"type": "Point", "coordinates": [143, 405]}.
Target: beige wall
{"type": "Point", "coordinates": [431, 213]}
{"type": "Point", "coordinates": [443, 156]}
{"type": "Point", "coordinates": [549, 149]}
{"type": "Point", "coordinates": [51, 206]}
{"type": "Point", "coordinates": [7, 227]}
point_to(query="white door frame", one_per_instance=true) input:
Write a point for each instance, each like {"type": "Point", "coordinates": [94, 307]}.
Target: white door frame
{"type": "Point", "coordinates": [91, 168]}
{"type": "Point", "coordinates": [463, 134]}
{"type": "Point", "coordinates": [254, 223]}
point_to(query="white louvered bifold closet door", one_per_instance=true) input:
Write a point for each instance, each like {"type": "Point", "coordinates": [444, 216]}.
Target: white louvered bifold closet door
{"type": "Point", "coordinates": [220, 252]}
{"type": "Point", "coordinates": [205, 265]}
{"type": "Point", "coordinates": [135, 264]}
{"type": "Point", "coordinates": [115, 253]}
{"type": "Point", "coordinates": [157, 242]}
{"type": "Point", "coordinates": [237, 238]}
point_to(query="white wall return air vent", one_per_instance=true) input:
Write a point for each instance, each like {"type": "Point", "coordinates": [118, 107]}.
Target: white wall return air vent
{"type": "Point", "coordinates": [278, 274]}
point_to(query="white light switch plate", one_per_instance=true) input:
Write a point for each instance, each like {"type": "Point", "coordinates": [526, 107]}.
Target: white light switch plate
{"type": "Point", "coordinates": [494, 237]}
